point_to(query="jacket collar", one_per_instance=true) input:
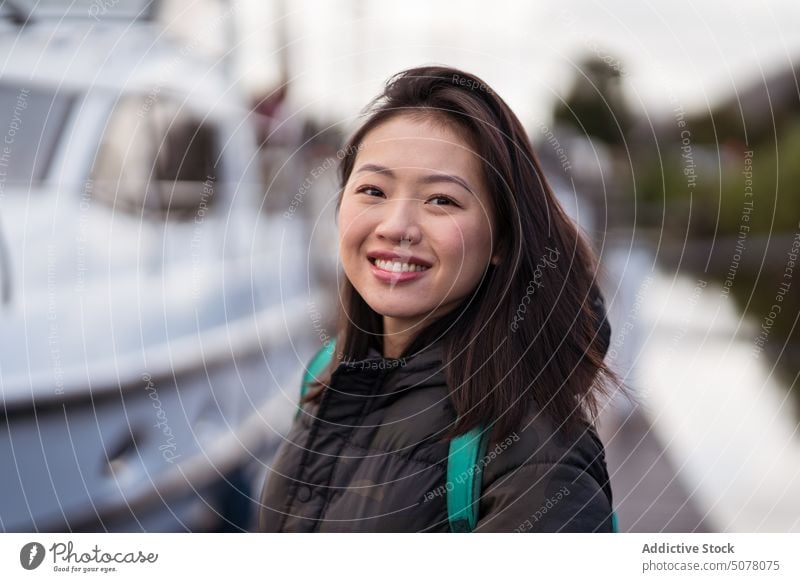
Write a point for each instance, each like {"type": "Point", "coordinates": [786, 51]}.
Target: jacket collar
{"type": "Point", "coordinates": [421, 369]}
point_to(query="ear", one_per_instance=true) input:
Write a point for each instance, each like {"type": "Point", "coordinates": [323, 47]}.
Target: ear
{"type": "Point", "coordinates": [499, 249]}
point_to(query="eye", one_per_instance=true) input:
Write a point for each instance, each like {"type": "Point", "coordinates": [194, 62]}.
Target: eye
{"type": "Point", "coordinates": [370, 191]}
{"type": "Point", "coordinates": [442, 200]}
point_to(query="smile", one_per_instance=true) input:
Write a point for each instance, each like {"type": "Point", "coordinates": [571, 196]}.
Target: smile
{"type": "Point", "coordinates": [397, 266]}
{"type": "Point", "coordinates": [396, 272]}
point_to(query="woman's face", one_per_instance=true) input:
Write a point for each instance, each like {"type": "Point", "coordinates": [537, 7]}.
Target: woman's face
{"type": "Point", "coordinates": [415, 222]}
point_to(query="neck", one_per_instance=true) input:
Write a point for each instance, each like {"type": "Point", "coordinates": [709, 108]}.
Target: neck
{"type": "Point", "coordinates": [396, 337]}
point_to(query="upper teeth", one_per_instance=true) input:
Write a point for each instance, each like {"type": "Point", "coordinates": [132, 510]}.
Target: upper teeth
{"type": "Point", "coordinates": [397, 267]}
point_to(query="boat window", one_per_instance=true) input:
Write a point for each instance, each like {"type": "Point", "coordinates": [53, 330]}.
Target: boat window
{"type": "Point", "coordinates": [185, 161]}
{"type": "Point", "coordinates": [32, 121]}
{"type": "Point", "coordinates": [156, 159]}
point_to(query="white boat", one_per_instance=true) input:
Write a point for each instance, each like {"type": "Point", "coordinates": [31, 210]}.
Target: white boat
{"type": "Point", "coordinates": [152, 314]}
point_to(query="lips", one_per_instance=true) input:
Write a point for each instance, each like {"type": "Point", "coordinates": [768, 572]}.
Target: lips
{"type": "Point", "coordinates": [398, 267]}
{"type": "Point", "coordinates": [398, 257]}
{"type": "Point", "coordinates": [396, 275]}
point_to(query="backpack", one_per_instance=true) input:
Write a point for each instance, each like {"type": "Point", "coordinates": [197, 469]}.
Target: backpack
{"type": "Point", "coordinates": [463, 470]}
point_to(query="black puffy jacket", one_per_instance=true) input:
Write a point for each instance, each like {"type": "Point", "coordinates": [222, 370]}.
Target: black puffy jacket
{"type": "Point", "coordinates": [366, 458]}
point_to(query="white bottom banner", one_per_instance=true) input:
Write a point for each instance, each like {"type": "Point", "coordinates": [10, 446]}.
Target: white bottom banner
{"type": "Point", "coordinates": [402, 557]}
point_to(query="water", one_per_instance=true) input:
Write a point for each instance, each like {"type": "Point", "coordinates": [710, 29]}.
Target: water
{"type": "Point", "coordinates": [726, 420]}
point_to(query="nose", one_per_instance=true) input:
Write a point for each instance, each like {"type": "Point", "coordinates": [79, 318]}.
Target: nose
{"type": "Point", "coordinates": [399, 222]}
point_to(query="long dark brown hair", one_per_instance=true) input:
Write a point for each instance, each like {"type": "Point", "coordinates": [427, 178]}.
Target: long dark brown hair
{"type": "Point", "coordinates": [528, 335]}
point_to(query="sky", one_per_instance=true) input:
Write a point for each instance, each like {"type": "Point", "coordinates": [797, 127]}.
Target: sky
{"type": "Point", "coordinates": [678, 52]}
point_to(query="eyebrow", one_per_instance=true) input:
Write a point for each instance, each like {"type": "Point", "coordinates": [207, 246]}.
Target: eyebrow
{"type": "Point", "coordinates": [429, 179]}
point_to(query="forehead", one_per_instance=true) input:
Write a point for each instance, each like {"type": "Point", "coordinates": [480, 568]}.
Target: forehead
{"type": "Point", "coordinates": [420, 145]}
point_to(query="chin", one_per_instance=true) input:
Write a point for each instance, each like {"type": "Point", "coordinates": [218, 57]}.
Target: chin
{"type": "Point", "coordinates": [394, 312]}
{"type": "Point", "coordinates": [396, 308]}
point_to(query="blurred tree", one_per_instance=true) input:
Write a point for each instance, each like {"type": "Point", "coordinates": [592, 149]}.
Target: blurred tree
{"type": "Point", "coordinates": [594, 104]}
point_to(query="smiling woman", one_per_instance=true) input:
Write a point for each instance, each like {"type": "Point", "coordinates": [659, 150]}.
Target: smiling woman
{"type": "Point", "coordinates": [416, 238]}
{"type": "Point", "coordinates": [445, 223]}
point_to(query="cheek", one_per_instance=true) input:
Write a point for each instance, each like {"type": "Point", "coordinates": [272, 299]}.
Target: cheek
{"type": "Point", "coordinates": [445, 238]}
{"type": "Point", "coordinates": [465, 242]}
{"type": "Point", "coordinates": [481, 239]}
{"type": "Point", "coordinates": [349, 227]}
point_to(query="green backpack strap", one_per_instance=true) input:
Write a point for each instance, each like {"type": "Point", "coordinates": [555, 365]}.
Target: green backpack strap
{"type": "Point", "coordinates": [464, 479]}
{"type": "Point", "coordinates": [318, 363]}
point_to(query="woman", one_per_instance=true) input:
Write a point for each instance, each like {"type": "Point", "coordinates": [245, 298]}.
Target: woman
{"type": "Point", "coordinates": [468, 301]}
